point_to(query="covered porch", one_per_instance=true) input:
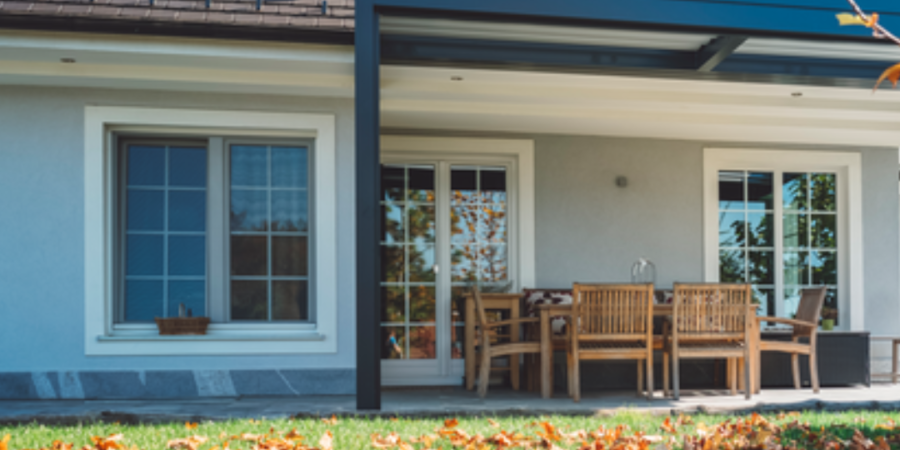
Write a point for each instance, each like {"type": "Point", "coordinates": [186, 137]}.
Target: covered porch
{"type": "Point", "coordinates": [619, 136]}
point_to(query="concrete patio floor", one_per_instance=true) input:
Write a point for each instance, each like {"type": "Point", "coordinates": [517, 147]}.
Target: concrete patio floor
{"type": "Point", "coordinates": [443, 402]}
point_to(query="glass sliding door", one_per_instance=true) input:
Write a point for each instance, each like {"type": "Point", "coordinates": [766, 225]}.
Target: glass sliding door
{"type": "Point", "coordinates": [445, 229]}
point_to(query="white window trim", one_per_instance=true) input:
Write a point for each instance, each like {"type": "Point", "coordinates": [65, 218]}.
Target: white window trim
{"type": "Point", "coordinates": [848, 166]}
{"type": "Point", "coordinates": [101, 337]}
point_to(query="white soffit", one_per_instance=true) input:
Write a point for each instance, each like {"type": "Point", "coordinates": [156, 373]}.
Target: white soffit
{"type": "Point", "coordinates": [875, 51]}
{"type": "Point", "coordinates": [543, 33]}
{"type": "Point", "coordinates": [144, 62]}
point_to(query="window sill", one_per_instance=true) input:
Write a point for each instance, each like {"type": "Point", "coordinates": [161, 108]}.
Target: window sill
{"type": "Point", "coordinates": [148, 342]}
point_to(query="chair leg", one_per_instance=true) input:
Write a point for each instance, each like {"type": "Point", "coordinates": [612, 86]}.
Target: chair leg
{"type": "Point", "coordinates": [570, 373]}
{"type": "Point", "coordinates": [484, 376]}
{"type": "Point", "coordinates": [732, 375]}
{"type": "Point", "coordinates": [814, 370]}
{"type": "Point", "coordinates": [576, 379]}
{"type": "Point", "coordinates": [745, 365]}
{"type": "Point", "coordinates": [640, 377]}
{"type": "Point", "coordinates": [665, 374]}
{"type": "Point", "coordinates": [740, 374]}
{"type": "Point", "coordinates": [795, 369]}
{"type": "Point", "coordinates": [676, 394]}
{"type": "Point", "coordinates": [650, 374]}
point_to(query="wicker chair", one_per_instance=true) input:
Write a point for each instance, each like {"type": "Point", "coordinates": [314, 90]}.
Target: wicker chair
{"type": "Point", "coordinates": [490, 348]}
{"type": "Point", "coordinates": [806, 324]}
{"type": "Point", "coordinates": [611, 322]}
{"type": "Point", "coordinates": [711, 321]}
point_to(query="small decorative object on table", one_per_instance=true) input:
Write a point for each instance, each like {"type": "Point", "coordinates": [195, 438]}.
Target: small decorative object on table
{"type": "Point", "coordinates": [182, 324]}
{"type": "Point", "coordinates": [828, 317]}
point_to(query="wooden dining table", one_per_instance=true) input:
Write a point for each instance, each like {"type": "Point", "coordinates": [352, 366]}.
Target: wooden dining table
{"type": "Point", "coordinates": [548, 312]}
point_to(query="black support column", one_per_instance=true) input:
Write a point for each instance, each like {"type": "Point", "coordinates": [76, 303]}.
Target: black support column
{"type": "Point", "coordinates": [368, 186]}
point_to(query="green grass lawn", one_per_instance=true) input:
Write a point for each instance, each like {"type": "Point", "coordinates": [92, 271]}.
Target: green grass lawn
{"type": "Point", "coordinates": [355, 433]}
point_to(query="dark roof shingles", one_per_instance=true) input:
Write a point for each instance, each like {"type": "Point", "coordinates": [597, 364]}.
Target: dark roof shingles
{"type": "Point", "coordinates": [286, 14]}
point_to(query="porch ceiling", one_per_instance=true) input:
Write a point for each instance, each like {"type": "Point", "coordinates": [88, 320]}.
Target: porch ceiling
{"type": "Point", "coordinates": [536, 102]}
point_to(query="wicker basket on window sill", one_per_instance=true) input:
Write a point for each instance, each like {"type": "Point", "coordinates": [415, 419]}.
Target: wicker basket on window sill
{"type": "Point", "coordinates": [182, 325]}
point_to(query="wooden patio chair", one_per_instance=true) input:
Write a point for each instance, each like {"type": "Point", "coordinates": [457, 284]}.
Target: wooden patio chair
{"type": "Point", "coordinates": [611, 322]}
{"type": "Point", "coordinates": [489, 339]}
{"type": "Point", "coordinates": [806, 324]}
{"type": "Point", "coordinates": [711, 321]}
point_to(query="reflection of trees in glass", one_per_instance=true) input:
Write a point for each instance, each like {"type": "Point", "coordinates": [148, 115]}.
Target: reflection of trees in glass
{"type": "Point", "coordinates": [480, 234]}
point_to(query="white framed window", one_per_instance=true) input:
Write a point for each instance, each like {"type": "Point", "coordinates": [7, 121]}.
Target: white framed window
{"type": "Point", "coordinates": [785, 220]}
{"type": "Point", "coordinates": [231, 214]}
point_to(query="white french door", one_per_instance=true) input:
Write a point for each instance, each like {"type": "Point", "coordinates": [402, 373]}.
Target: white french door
{"type": "Point", "coordinates": [446, 226]}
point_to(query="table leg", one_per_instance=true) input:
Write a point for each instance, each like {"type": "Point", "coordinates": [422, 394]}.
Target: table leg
{"type": "Point", "coordinates": [546, 355]}
{"type": "Point", "coordinates": [470, 343]}
{"type": "Point", "coordinates": [514, 337]}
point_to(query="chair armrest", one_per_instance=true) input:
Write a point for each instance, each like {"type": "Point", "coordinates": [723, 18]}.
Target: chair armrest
{"type": "Point", "coordinates": [503, 323]}
{"type": "Point", "coordinates": [784, 320]}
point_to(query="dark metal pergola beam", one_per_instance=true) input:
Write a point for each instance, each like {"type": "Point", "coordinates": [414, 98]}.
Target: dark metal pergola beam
{"type": "Point", "coordinates": [712, 54]}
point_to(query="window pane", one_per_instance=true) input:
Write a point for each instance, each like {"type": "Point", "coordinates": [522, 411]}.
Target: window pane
{"type": "Point", "coordinates": [421, 262]}
{"type": "Point", "coordinates": [759, 191]}
{"type": "Point", "coordinates": [190, 293]}
{"type": "Point", "coordinates": [249, 165]}
{"type": "Point", "coordinates": [249, 210]}
{"type": "Point", "coordinates": [289, 300]}
{"type": "Point", "coordinates": [144, 255]}
{"type": "Point", "coordinates": [822, 193]}
{"type": "Point", "coordinates": [795, 191]}
{"type": "Point", "coordinates": [249, 300]}
{"type": "Point", "coordinates": [493, 263]}
{"type": "Point", "coordinates": [492, 224]}
{"type": "Point", "coordinates": [289, 168]}
{"type": "Point", "coordinates": [421, 224]}
{"type": "Point", "coordinates": [289, 211]}
{"type": "Point", "coordinates": [464, 184]}
{"type": "Point", "coordinates": [146, 165]}
{"type": "Point", "coordinates": [143, 300]}
{"type": "Point", "coordinates": [248, 255]}
{"type": "Point", "coordinates": [393, 341]}
{"type": "Point", "coordinates": [145, 210]}
{"type": "Point", "coordinates": [463, 258]}
{"type": "Point", "coordinates": [796, 268]}
{"type": "Point", "coordinates": [731, 229]}
{"type": "Point", "coordinates": [493, 185]}
{"type": "Point", "coordinates": [187, 167]}
{"type": "Point", "coordinates": [760, 230]}
{"type": "Point", "coordinates": [393, 304]}
{"type": "Point", "coordinates": [731, 190]}
{"type": "Point", "coordinates": [421, 184]}
{"type": "Point", "coordinates": [421, 303]}
{"type": "Point", "coordinates": [761, 269]}
{"type": "Point", "coordinates": [187, 210]}
{"type": "Point", "coordinates": [796, 230]}
{"type": "Point", "coordinates": [731, 266]}
{"type": "Point", "coordinates": [824, 268]}
{"type": "Point", "coordinates": [289, 255]}
{"type": "Point", "coordinates": [765, 299]}
{"type": "Point", "coordinates": [392, 223]}
{"type": "Point", "coordinates": [392, 183]}
{"type": "Point", "coordinates": [392, 263]}
{"type": "Point", "coordinates": [422, 342]}
{"type": "Point", "coordinates": [824, 231]}
{"type": "Point", "coordinates": [791, 300]}
{"type": "Point", "coordinates": [187, 255]}
{"type": "Point", "coordinates": [463, 223]}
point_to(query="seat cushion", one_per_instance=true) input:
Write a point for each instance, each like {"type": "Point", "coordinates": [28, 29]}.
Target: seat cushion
{"type": "Point", "coordinates": [534, 297]}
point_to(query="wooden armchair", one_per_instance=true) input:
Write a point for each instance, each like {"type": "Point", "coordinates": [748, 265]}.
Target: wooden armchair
{"type": "Point", "coordinates": [490, 348]}
{"type": "Point", "coordinates": [711, 321]}
{"type": "Point", "coordinates": [611, 321]}
{"type": "Point", "coordinates": [805, 325]}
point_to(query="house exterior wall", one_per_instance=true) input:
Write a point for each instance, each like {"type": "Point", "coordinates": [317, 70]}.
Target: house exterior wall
{"type": "Point", "coordinates": [588, 229]}
{"type": "Point", "coordinates": [42, 263]}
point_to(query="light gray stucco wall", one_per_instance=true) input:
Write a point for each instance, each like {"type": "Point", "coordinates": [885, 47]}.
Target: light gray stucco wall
{"type": "Point", "coordinates": [42, 236]}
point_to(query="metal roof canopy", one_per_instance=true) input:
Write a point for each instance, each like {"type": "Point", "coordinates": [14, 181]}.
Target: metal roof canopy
{"type": "Point", "coordinates": [771, 41]}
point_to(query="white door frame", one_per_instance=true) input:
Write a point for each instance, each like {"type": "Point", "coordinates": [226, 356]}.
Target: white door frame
{"type": "Point", "coordinates": [518, 157]}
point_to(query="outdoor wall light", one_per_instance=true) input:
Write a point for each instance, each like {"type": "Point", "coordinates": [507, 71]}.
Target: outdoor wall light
{"type": "Point", "coordinates": [796, 94]}
{"type": "Point", "coordinates": [621, 181]}
{"type": "Point", "coordinates": [67, 60]}
{"type": "Point", "coordinates": [456, 78]}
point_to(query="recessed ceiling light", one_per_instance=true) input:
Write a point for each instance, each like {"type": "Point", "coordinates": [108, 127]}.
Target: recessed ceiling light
{"type": "Point", "coordinates": [796, 94]}
{"type": "Point", "coordinates": [456, 78]}
{"type": "Point", "coordinates": [67, 60]}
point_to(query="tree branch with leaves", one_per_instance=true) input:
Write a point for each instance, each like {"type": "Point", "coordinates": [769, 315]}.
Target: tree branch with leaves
{"type": "Point", "coordinates": [860, 17]}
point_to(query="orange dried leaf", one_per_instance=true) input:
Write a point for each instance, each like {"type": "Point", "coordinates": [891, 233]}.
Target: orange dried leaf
{"type": "Point", "coordinates": [191, 426]}
{"type": "Point", "coordinates": [892, 74]}
{"type": "Point", "coordinates": [293, 435]}
{"type": "Point", "coordinates": [668, 427]}
{"type": "Point", "coordinates": [493, 423]}
{"type": "Point", "coordinates": [4, 443]}
{"type": "Point", "coordinates": [450, 423]}
{"type": "Point", "coordinates": [189, 443]}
